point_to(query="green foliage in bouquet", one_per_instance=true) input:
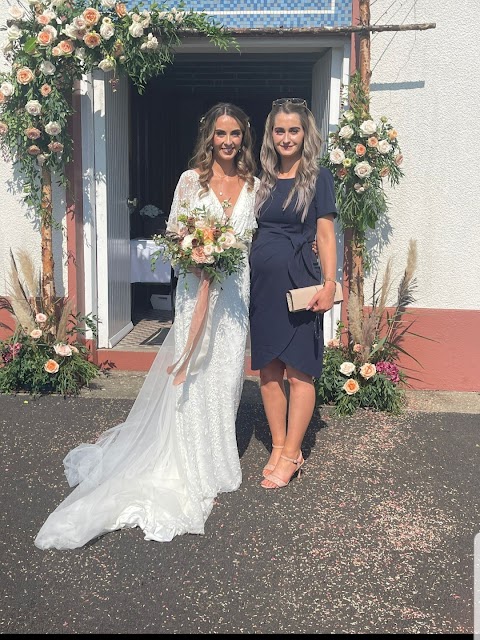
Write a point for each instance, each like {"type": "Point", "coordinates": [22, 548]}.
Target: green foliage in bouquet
{"type": "Point", "coordinates": [44, 354]}
{"type": "Point", "coordinates": [362, 372]}
{"type": "Point", "coordinates": [199, 240]}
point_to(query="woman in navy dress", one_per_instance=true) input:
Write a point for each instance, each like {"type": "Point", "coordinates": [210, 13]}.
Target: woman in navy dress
{"type": "Point", "coordinates": [295, 208]}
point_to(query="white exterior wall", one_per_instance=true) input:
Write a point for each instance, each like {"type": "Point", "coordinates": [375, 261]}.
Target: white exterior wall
{"type": "Point", "coordinates": [428, 84]}
{"type": "Point", "coordinates": [18, 227]}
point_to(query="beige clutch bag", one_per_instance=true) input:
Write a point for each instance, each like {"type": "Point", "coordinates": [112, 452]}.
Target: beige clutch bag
{"type": "Point", "coordinates": [297, 299]}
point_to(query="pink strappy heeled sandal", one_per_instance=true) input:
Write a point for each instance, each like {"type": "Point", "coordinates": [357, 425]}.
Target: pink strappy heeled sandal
{"type": "Point", "coordinates": [298, 462]}
{"type": "Point", "coordinates": [271, 467]}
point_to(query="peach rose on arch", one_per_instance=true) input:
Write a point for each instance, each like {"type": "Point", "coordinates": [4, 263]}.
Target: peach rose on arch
{"type": "Point", "coordinates": [24, 75]}
{"type": "Point", "coordinates": [92, 39]}
{"type": "Point", "coordinates": [66, 47]}
{"type": "Point", "coordinates": [360, 150]}
{"type": "Point", "coordinates": [91, 16]}
{"type": "Point", "coordinates": [121, 9]}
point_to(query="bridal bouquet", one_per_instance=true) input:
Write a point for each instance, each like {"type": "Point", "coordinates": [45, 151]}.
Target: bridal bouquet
{"type": "Point", "coordinates": [200, 240]}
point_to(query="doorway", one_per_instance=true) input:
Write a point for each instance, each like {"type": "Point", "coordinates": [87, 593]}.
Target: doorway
{"type": "Point", "coordinates": [164, 122]}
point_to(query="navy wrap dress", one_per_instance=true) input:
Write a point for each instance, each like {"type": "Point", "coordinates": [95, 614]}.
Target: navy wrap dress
{"type": "Point", "coordinates": [282, 258]}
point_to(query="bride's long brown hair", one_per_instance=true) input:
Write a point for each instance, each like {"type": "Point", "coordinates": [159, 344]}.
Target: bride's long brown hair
{"type": "Point", "coordinates": [202, 158]}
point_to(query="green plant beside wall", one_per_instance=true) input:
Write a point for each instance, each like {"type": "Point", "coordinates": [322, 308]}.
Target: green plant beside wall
{"type": "Point", "coordinates": [46, 353]}
{"type": "Point", "coordinates": [361, 366]}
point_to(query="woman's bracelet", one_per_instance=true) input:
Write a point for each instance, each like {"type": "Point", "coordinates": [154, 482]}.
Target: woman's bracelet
{"type": "Point", "coordinates": [330, 280]}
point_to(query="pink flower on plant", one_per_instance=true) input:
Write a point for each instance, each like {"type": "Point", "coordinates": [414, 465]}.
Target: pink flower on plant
{"type": "Point", "coordinates": [11, 352]}
{"type": "Point", "coordinates": [357, 348]}
{"type": "Point", "coordinates": [45, 90]}
{"type": "Point", "coordinates": [36, 333]}
{"type": "Point", "coordinates": [389, 370]}
{"type": "Point", "coordinates": [40, 317]}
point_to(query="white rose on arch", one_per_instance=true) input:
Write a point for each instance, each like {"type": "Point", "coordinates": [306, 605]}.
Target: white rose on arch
{"type": "Point", "coordinates": [363, 169]}
{"type": "Point", "coordinates": [368, 128]}
{"type": "Point", "coordinates": [33, 108]}
{"type": "Point", "coordinates": [346, 132]}
{"type": "Point", "coordinates": [337, 156]}
{"type": "Point", "coordinates": [53, 128]}
{"type": "Point", "coordinates": [384, 147]}
{"type": "Point", "coordinates": [106, 65]}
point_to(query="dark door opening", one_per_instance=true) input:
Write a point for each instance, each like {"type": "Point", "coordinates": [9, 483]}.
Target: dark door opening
{"type": "Point", "coordinates": [165, 118]}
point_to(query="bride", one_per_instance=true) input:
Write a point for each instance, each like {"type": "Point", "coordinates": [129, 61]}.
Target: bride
{"type": "Point", "coordinates": [162, 468]}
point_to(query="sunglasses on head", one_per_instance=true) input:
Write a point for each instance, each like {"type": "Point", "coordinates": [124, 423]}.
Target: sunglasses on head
{"type": "Point", "coordinates": [300, 102]}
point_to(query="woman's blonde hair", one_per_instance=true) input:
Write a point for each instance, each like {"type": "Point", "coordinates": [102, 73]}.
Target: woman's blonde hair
{"type": "Point", "coordinates": [304, 186]}
{"type": "Point", "coordinates": [202, 158]}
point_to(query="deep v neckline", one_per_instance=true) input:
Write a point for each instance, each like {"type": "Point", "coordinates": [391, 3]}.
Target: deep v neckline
{"type": "Point", "coordinates": [236, 201]}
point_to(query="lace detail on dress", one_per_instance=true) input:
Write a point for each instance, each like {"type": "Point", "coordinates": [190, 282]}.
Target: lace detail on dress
{"type": "Point", "coordinates": [161, 469]}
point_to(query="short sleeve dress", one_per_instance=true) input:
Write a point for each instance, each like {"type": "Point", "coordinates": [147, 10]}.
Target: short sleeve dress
{"type": "Point", "coordinates": [282, 258]}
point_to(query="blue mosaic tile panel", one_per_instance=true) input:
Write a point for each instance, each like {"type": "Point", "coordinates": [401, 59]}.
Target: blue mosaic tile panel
{"type": "Point", "coordinates": [258, 14]}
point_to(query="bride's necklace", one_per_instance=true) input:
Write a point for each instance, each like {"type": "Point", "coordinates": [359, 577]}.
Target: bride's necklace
{"type": "Point", "coordinates": [222, 178]}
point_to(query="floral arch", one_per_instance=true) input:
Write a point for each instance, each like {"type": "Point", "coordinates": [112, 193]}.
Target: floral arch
{"type": "Point", "coordinates": [50, 46]}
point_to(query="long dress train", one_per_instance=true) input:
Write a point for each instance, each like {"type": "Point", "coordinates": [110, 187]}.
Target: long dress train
{"type": "Point", "coordinates": [162, 468]}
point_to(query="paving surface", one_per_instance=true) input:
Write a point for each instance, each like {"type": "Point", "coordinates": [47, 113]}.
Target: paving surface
{"type": "Point", "coordinates": [376, 537]}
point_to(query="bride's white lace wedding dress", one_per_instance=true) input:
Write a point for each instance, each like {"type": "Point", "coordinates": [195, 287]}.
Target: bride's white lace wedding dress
{"type": "Point", "coordinates": [162, 468]}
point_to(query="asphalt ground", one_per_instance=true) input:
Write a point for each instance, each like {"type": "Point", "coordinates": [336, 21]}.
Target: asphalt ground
{"type": "Point", "coordinates": [376, 537]}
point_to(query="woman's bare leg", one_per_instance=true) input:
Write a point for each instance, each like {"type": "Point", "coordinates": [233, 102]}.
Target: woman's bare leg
{"type": "Point", "coordinates": [300, 411]}
{"type": "Point", "coordinates": [274, 398]}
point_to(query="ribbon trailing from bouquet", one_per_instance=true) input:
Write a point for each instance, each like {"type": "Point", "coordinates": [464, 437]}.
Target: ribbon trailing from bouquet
{"type": "Point", "coordinates": [198, 339]}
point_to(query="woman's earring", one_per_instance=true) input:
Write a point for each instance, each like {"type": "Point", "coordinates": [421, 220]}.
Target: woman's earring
{"type": "Point", "coordinates": [240, 150]}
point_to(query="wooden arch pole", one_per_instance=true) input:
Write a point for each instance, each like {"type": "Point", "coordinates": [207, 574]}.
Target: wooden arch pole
{"type": "Point", "coordinates": [46, 227]}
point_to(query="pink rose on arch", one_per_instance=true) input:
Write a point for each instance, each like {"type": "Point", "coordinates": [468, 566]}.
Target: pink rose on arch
{"type": "Point", "coordinates": [32, 133]}
{"type": "Point", "coordinates": [56, 147]}
{"type": "Point", "coordinates": [63, 350]}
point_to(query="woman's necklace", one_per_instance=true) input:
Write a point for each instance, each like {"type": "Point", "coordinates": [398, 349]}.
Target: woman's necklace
{"type": "Point", "coordinates": [222, 178]}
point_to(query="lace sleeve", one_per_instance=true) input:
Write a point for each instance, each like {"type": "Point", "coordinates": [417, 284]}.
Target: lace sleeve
{"type": "Point", "coordinates": [184, 197]}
